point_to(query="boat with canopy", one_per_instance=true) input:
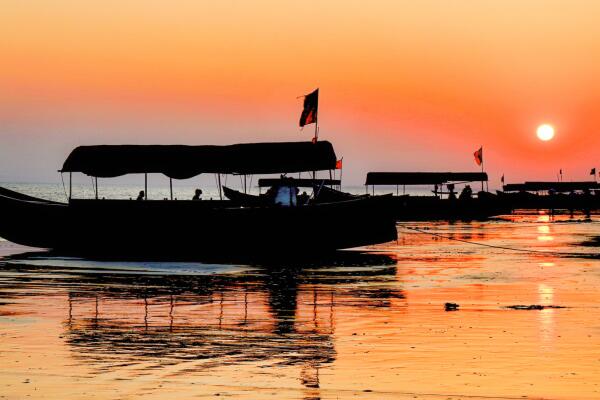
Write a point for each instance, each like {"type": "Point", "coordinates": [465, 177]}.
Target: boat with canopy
{"type": "Point", "coordinates": [188, 227]}
{"type": "Point", "coordinates": [321, 191]}
{"type": "Point", "coordinates": [444, 202]}
{"type": "Point", "coordinates": [552, 195]}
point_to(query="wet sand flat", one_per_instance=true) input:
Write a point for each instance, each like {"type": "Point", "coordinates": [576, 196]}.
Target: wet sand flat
{"type": "Point", "coordinates": [350, 326]}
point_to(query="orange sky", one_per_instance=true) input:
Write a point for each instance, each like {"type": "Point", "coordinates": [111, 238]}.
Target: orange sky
{"type": "Point", "coordinates": [414, 85]}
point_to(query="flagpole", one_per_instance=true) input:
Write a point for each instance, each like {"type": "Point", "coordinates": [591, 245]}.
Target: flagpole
{"type": "Point", "coordinates": [482, 161]}
{"type": "Point", "coordinates": [316, 138]}
{"type": "Point", "coordinates": [341, 173]}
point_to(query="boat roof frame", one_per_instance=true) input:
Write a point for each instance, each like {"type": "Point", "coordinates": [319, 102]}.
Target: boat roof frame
{"type": "Point", "coordinates": [422, 178]}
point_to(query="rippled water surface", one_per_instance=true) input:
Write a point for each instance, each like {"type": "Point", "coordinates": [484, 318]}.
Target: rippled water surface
{"type": "Point", "coordinates": [368, 324]}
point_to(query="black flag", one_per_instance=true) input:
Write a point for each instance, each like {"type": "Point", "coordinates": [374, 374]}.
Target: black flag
{"type": "Point", "coordinates": [311, 107]}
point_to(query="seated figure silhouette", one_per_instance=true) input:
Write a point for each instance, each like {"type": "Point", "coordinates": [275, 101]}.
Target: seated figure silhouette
{"type": "Point", "coordinates": [303, 198]}
{"type": "Point", "coordinates": [451, 192]}
{"type": "Point", "coordinates": [141, 195]}
{"type": "Point", "coordinates": [466, 193]}
{"type": "Point", "coordinates": [197, 194]}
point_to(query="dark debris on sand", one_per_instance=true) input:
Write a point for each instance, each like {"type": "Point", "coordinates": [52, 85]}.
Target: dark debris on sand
{"type": "Point", "coordinates": [532, 307]}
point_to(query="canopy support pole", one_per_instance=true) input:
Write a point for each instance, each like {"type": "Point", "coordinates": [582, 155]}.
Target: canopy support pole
{"type": "Point", "coordinates": [70, 185]}
{"type": "Point", "coordinates": [145, 186]}
{"type": "Point", "coordinates": [220, 192]}
{"type": "Point", "coordinates": [96, 179]}
{"type": "Point", "coordinates": [245, 185]}
{"type": "Point", "coordinates": [171, 187]}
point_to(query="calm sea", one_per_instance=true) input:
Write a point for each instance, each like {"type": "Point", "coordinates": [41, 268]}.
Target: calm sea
{"type": "Point", "coordinates": [56, 191]}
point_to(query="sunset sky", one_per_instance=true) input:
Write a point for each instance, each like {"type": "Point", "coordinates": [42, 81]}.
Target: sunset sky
{"type": "Point", "coordinates": [404, 85]}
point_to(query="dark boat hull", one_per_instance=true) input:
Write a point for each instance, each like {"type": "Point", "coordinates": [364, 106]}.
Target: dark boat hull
{"type": "Point", "coordinates": [405, 208]}
{"type": "Point", "coordinates": [558, 201]}
{"type": "Point", "coordinates": [418, 208]}
{"type": "Point", "coordinates": [324, 194]}
{"type": "Point", "coordinates": [194, 227]}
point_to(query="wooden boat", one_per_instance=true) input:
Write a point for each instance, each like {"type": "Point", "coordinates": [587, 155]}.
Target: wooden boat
{"type": "Point", "coordinates": [411, 208]}
{"type": "Point", "coordinates": [20, 196]}
{"type": "Point", "coordinates": [187, 227]}
{"type": "Point", "coordinates": [552, 195]}
{"type": "Point", "coordinates": [244, 199]}
{"type": "Point", "coordinates": [320, 192]}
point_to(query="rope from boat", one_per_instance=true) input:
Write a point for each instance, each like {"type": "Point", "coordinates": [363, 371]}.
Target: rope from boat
{"type": "Point", "coordinates": [316, 195]}
{"type": "Point", "coordinates": [544, 252]}
{"type": "Point", "coordinates": [530, 224]}
{"type": "Point", "coordinates": [64, 188]}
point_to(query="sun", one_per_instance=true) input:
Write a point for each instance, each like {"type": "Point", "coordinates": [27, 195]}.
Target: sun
{"type": "Point", "coordinates": [545, 132]}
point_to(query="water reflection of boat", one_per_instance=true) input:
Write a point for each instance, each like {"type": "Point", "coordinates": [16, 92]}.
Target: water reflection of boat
{"type": "Point", "coordinates": [191, 227]}
{"type": "Point", "coordinates": [270, 314]}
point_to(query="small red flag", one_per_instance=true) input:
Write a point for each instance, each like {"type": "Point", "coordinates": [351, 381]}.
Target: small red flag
{"type": "Point", "coordinates": [479, 156]}
{"type": "Point", "coordinates": [311, 107]}
{"type": "Point", "coordinates": [338, 164]}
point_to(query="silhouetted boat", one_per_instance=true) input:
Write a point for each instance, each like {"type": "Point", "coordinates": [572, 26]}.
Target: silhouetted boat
{"type": "Point", "coordinates": [196, 227]}
{"type": "Point", "coordinates": [464, 207]}
{"type": "Point", "coordinates": [20, 196]}
{"type": "Point", "coordinates": [321, 191]}
{"type": "Point", "coordinates": [552, 195]}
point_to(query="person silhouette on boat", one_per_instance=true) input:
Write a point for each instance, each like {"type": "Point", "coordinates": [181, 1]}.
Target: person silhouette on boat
{"type": "Point", "coordinates": [141, 195]}
{"type": "Point", "coordinates": [303, 198]}
{"type": "Point", "coordinates": [197, 194]}
{"type": "Point", "coordinates": [466, 193]}
{"type": "Point", "coordinates": [451, 192]}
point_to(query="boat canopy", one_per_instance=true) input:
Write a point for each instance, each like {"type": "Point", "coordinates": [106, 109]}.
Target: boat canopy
{"type": "Point", "coordinates": [183, 162]}
{"type": "Point", "coordinates": [269, 182]}
{"type": "Point", "coordinates": [556, 186]}
{"type": "Point", "coordinates": [423, 178]}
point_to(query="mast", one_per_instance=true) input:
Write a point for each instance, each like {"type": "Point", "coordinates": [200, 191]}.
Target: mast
{"type": "Point", "coordinates": [482, 161]}
{"type": "Point", "coordinates": [220, 192]}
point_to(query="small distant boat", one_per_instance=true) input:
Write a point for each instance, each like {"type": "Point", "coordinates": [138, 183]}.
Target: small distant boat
{"type": "Point", "coordinates": [551, 195]}
{"type": "Point", "coordinates": [188, 227]}
{"type": "Point", "coordinates": [444, 203]}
